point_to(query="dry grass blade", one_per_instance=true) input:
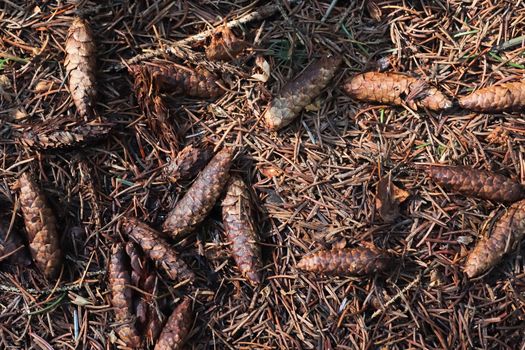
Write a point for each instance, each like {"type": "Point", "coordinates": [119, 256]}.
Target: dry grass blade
{"type": "Point", "coordinates": [241, 230]}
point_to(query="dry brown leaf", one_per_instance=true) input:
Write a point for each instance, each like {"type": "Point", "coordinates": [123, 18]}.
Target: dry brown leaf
{"type": "Point", "coordinates": [388, 199]}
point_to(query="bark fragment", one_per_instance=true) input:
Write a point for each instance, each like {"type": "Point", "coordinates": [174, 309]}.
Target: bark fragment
{"type": "Point", "coordinates": [396, 89]}
{"type": "Point", "coordinates": [65, 133]}
{"type": "Point", "coordinates": [300, 92]}
{"type": "Point", "coordinates": [477, 183]}
{"type": "Point", "coordinates": [188, 162]}
{"type": "Point", "coordinates": [388, 199]}
{"type": "Point", "coordinates": [177, 328]}
{"type": "Point", "coordinates": [122, 297]}
{"type": "Point", "coordinates": [201, 196]}
{"type": "Point", "coordinates": [240, 230]}
{"type": "Point", "coordinates": [169, 77]}
{"type": "Point", "coordinates": [497, 98]}
{"type": "Point", "coordinates": [157, 249]}
{"type": "Point", "coordinates": [506, 234]}
{"type": "Point", "coordinates": [40, 223]}
{"type": "Point", "coordinates": [224, 45]}
{"type": "Point", "coordinates": [356, 261]}
{"type": "Point", "coordinates": [80, 64]}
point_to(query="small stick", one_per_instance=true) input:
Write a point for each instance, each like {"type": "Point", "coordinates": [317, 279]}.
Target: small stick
{"type": "Point", "coordinates": [261, 13]}
{"type": "Point", "coordinates": [397, 296]}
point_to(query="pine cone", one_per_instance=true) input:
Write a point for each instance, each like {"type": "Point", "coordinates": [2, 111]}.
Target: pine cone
{"type": "Point", "coordinates": [188, 162]}
{"type": "Point", "coordinates": [300, 92]}
{"type": "Point", "coordinates": [240, 230]}
{"type": "Point", "coordinates": [498, 98]}
{"type": "Point", "coordinates": [477, 183]}
{"type": "Point", "coordinates": [40, 223]}
{"type": "Point", "coordinates": [177, 328]}
{"type": "Point", "coordinates": [395, 88]}
{"type": "Point", "coordinates": [506, 234]}
{"type": "Point", "coordinates": [122, 297]}
{"type": "Point", "coordinates": [357, 261]}
{"type": "Point", "coordinates": [80, 66]}
{"type": "Point", "coordinates": [201, 197]}
{"type": "Point", "coordinates": [157, 248]}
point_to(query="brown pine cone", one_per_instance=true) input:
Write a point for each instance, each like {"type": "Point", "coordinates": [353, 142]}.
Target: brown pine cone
{"type": "Point", "coordinates": [477, 183]}
{"type": "Point", "coordinates": [396, 88]}
{"type": "Point", "coordinates": [177, 328]}
{"type": "Point", "coordinates": [65, 133]}
{"type": "Point", "coordinates": [188, 162]}
{"type": "Point", "coordinates": [300, 92]}
{"type": "Point", "coordinates": [356, 261]}
{"type": "Point", "coordinates": [80, 66]}
{"type": "Point", "coordinates": [169, 77]}
{"type": "Point", "coordinates": [498, 98]}
{"type": "Point", "coordinates": [157, 249]}
{"type": "Point", "coordinates": [40, 222]}
{"type": "Point", "coordinates": [506, 234]}
{"type": "Point", "coordinates": [240, 230]}
{"type": "Point", "coordinates": [122, 297]}
{"type": "Point", "coordinates": [201, 197]}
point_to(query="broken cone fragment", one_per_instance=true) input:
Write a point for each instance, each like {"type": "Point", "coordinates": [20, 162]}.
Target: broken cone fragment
{"type": "Point", "coordinates": [498, 98]}
{"type": "Point", "coordinates": [240, 230]}
{"type": "Point", "coordinates": [355, 261]}
{"type": "Point", "coordinates": [122, 297]}
{"type": "Point", "coordinates": [507, 232]}
{"type": "Point", "coordinates": [396, 89]}
{"type": "Point", "coordinates": [41, 227]}
{"type": "Point", "coordinates": [157, 249]}
{"type": "Point", "coordinates": [177, 327]}
{"type": "Point", "coordinates": [300, 92]}
{"type": "Point", "coordinates": [476, 183]}
{"type": "Point", "coordinates": [201, 196]}
{"type": "Point", "coordinates": [80, 64]}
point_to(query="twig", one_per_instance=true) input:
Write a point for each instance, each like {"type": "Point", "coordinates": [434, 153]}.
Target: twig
{"type": "Point", "coordinates": [397, 296]}
{"type": "Point", "coordinates": [178, 49]}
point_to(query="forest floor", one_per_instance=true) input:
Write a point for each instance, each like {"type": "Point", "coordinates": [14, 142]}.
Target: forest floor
{"type": "Point", "coordinates": [314, 181]}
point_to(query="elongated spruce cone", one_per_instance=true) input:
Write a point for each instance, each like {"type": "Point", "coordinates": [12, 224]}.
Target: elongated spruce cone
{"type": "Point", "coordinates": [188, 162]}
{"type": "Point", "coordinates": [240, 230]}
{"type": "Point", "coordinates": [41, 228]}
{"type": "Point", "coordinates": [122, 297]}
{"type": "Point", "coordinates": [356, 261]}
{"type": "Point", "coordinates": [477, 183]}
{"type": "Point", "coordinates": [300, 92]}
{"type": "Point", "coordinates": [506, 234]}
{"type": "Point", "coordinates": [177, 328]}
{"type": "Point", "coordinates": [169, 77]}
{"type": "Point", "coordinates": [498, 98]}
{"type": "Point", "coordinates": [201, 196]}
{"type": "Point", "coordinates": [47, 135]}
{"type": "Point", "coordinates": [80, 66]}
{"type": "Point", "coordinates": [395, 89]}
{"type": "Point", "coordinates": [157, 249]}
